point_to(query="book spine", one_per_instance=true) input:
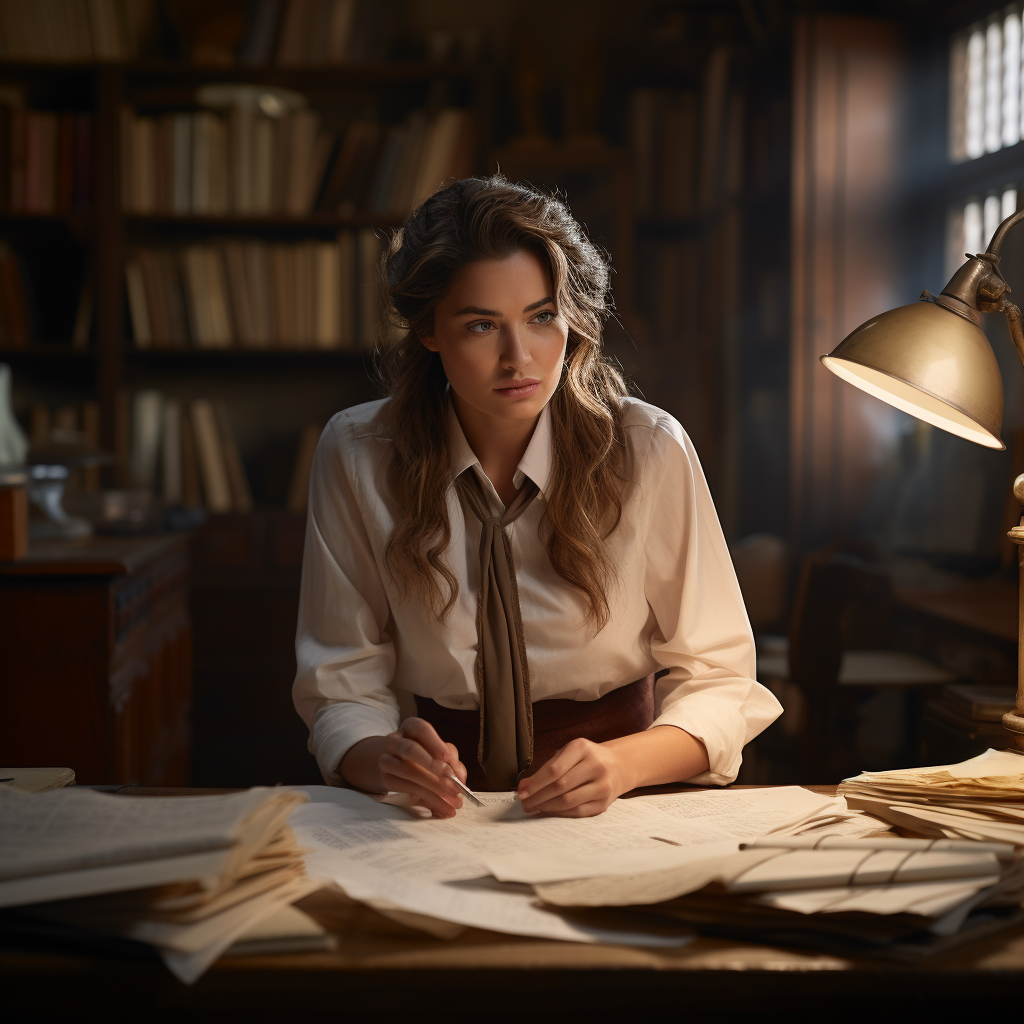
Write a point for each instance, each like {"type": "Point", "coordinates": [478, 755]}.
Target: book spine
{"type": "Point", "coordinates": [171, 470]}
{"type": "Point", "coordinates": [241, 496]}
{"type": "Point", "coordinates": [137, 305]}
{"type": "Point", "coordinates": [213, 472]}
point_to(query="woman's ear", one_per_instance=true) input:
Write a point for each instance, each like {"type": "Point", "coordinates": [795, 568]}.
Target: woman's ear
{"type": "Point", "coordinates": [428, 341]}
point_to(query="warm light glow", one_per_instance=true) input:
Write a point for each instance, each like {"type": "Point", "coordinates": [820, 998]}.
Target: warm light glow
{"type": "Point", "coordinates": [911, 400]}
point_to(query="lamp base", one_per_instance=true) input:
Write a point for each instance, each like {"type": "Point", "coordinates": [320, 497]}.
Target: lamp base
{"type": "Point", "coordinates": [1013, 723]}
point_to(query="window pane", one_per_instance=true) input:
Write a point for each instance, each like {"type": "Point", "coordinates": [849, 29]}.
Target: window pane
{"type": "Point", "coordinates": [976, 94]}
{"type": "Point", "coordinates": [972, 228]}
{"type": "Point", "coordinates": [1009, 203]}
{"type": "Point", "coordinates": [993, 87]}
{"type": "Point", "coordinates": [1011, 80]}
{"type": "Point", "coordinates": [993, 207]}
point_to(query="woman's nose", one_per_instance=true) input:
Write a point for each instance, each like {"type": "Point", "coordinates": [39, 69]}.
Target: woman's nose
{"type": "Point", "coordinates": [514, 352]}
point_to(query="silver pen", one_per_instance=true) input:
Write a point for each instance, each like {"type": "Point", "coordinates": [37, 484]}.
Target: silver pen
{"type": "Point", "coordinates": [466, 791]}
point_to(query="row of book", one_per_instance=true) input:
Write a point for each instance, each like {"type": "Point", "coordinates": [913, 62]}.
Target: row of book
{"type": "Point", "coordinates": [246, 163]}
{"type": "Point", "coordinates": [254, 294]}
{"type": "Point", "coordinates": [46, 160]}
{"type": "Point", "coordinates": [74, 31]}
{"type": "Point", "coordinates": [186, 453]}
{"type": "Point", "coordinates": [300, 33]}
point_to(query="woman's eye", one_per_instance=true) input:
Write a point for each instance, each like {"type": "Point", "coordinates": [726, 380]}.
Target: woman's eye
{"type": "Point", "coordinates": [482, 327]}
{"type": "Point", "coordinates": [545, 316]}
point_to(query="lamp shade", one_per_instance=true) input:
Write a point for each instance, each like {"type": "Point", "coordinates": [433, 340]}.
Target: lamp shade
{"type": "Point", "coordinates": [928, 362]}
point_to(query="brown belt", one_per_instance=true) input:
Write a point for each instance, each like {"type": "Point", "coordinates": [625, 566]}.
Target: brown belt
{"type": "Point", "coordinates": [626, 710]}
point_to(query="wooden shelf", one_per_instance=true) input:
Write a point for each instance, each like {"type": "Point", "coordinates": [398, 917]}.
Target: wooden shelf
{"type": "Point", "coordinates": [270, 222]}
{"type": "Point", "coordinates": [207, 356]}
{"type": "Point", "coordinates": [43, 353]}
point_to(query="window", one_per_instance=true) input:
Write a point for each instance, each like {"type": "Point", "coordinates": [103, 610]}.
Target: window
{"type": "Point", "coordinates": [970, 227]}
{"type": "Point", "coordinates": [986, 108]}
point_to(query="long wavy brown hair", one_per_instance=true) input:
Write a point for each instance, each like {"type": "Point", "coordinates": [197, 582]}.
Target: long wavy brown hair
{"type": "Point", "coordinates": [492, 218]}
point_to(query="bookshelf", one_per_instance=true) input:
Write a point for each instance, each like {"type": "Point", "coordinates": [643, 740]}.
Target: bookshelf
{"type": "Point", "coordinates": [98, 242]}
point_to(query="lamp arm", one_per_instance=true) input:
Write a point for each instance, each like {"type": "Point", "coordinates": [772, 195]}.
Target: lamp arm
{"type": "Point", "coordinates": [1003, 230]}
{"type": "Point", "coordinates": [1016, 324]}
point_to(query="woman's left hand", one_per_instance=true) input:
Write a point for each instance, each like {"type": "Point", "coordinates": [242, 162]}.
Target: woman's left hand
{"type": "Point", "coordinates": [582, 779]}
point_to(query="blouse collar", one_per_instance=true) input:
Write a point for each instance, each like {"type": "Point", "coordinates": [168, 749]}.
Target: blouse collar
{"type": "Point", "coordinates": [536, 460]}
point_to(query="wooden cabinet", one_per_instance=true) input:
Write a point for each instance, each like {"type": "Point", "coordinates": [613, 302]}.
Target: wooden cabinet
{"type": "Point", "coordinates": [245, 603]}
{"type": "Point", "coordinates": [96, 659]}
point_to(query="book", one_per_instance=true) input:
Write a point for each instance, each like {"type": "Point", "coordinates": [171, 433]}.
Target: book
{"type": "Point", "coordinates": [215, 285]}
{"type": "Point", "coordinates": [304, 126]}
{"type": "Point", "coordinates": [83, 316]}
{"type": "Point", "coordinates": [147, 424]}
{"type": "Point", "coordinates": [339, 31]}
{"type": "Point", "coordinates": [181, 162]}
{"type": "Point", "coordinates": [191, 488]}
{"type": "Point", "coordinates": [218, 189]}
{"type": "Point", "coordinates": [264, 131]}
{"type": "Point", "coordinates": [298, 489]}
{"type": "Point", "coordinates": [257, 47]}
{"type": "Point", "coordinates": [40, 157]}
{"type": "Point", "coordinates": [242, 129]}
{"type": "Point", "coordinates": [138, 308]}
{"type": "Point", "coordinates": [296, 26]}
{"type": "Point", "coordinates": [368, 306]}
{"type": "Point", "coordinates": [210, 458]}
{"type": "Point", "coordinates": [200, 191]}
{"type": "Point", "coordinates": [241, 496]}
{"type": "Point", "coordinates": [172, 489]}
{"type": "Point", "coordinates": [327, 333]}
{"type": "Point", "coordinates": [440, 157]}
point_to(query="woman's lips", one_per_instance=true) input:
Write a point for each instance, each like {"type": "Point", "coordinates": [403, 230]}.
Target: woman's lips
{"type": "Point", "coordinates": [519, 389]}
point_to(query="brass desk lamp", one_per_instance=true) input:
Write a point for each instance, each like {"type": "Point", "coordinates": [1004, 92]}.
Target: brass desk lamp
{"type": "Point", "coordinates": [933, 361]}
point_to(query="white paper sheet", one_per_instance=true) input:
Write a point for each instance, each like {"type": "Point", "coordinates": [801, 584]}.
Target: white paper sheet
{"type": "Point", "coordinates": [69, 829]}
{"type": "Point", "coordinates": [376, 852]}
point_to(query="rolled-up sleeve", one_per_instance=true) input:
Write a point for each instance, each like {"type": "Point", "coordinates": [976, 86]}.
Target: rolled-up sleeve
{"type": "Point", "coordinates": [345, 659]}
{"type": "Point", "coordinates": [702, 634]}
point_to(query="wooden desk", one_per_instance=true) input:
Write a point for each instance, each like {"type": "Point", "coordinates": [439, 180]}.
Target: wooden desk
{"type": "Point", "coordinates": [95, 641]}
{"type": "Point", "coordinates": [382, 971]}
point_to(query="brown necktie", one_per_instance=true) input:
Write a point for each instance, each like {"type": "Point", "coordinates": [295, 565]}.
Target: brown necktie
{"type": "Point", "coordinates": [502, 673]}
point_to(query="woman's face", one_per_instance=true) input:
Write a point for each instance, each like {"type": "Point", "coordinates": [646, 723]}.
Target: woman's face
{"type": "Point", "coordinates": [500, 337]}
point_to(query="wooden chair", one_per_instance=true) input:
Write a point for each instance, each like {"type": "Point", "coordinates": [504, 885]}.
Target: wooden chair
{"type": "Point", "coordinates": [840, 655]}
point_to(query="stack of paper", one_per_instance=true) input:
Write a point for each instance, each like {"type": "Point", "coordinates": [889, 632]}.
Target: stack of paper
{"type": "Point", "coordinates": [187, 875]}
{"type": "Point", "coordinates": [982, 798]}
{"type": "Point", "coordinates": [888, 896]}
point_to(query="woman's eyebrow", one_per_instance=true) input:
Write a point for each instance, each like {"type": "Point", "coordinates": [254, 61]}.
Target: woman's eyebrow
{"type": "Point", "coordinates": [541, 302]}
{"type": "Point", "coordinates": [477, 311]}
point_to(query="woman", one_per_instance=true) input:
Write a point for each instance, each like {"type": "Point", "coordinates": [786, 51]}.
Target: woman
{"type": "Point", "coordinates": [502, 554]}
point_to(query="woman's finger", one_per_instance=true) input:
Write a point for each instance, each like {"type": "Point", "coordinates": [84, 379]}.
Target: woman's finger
{"type": "Point", "coordinates": [552, 770]}
{"type": "Point", "coordinates": [457, 766]}
{"type": "Point", "coordinates": [414, 774]}
{"type": "Point", "coordinates": [580, 773]}
{"type": "Point", "coordinates": [422, 796]}
{"type": "Point", "coordinates": [426, 736]}
{"type": "Point", "coordinates": [590, 792]}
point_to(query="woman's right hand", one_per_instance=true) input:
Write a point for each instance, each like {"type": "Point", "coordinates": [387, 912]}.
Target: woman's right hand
{"type": "Point", "coordinates": [413, 760]}
{"type": "Point", "coordinates": [416, 761]}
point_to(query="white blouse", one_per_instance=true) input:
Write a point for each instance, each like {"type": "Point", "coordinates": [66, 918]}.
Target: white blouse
{"type": "Point", "coordinates": [364, 647]}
